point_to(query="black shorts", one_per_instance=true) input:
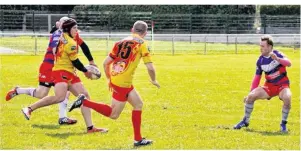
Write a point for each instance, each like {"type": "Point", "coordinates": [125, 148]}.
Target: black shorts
{"type": "Point", "coordinates": [46, 84]}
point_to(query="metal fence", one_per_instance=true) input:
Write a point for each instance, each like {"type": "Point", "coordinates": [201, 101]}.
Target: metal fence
{"type": "Point", "coordinates": [35, 43]}
{"type": "Point", "coordinates": [110, 22]}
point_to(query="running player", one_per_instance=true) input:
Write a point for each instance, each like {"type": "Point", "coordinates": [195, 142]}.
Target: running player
{"type": "Point", "coordinates": [45, 79]}
{"type": "Point", "coordinates": [273, 63]}
{"type": "Point", "coordinates": [125, 58]}
{"type": "Point", "coordinates": [64, 74]}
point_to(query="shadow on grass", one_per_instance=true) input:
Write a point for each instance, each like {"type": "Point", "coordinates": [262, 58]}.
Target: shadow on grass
{"type": "Point", "coordinates": [267, 133]}
{"type": "Point", "coordinates": [65, 135]}
{"type": "Point", "coordinates": [46, 126]}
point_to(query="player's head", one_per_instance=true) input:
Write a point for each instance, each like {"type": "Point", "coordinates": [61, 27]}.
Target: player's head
{"type": "Point", "coordinates": [70, 27]}
{"type": "Point", "coordinates": [61, 21]}
{"type": "Point", "coordinates": [140, 28]}
{"type": "Point", "coordinates": [266, 44]}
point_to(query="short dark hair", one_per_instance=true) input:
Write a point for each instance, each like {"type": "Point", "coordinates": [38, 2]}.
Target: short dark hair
{"type": "Point", "coordinates": [268, 39]}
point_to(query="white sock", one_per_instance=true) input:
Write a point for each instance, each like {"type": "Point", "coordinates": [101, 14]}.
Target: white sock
{"type": "Point", "coordinates": [28, 91]}
{"type": "Point", "coordinates": [63, 106]}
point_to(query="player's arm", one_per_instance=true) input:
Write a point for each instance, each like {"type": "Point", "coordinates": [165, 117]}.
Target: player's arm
{"type": "Point", "coordinates": [86, 51]}
{"type": "Point", "coordinates": [257, 77]}
{"type": "Point", "coordinates": [149, 65]}
{"type": "Point", "coordinates": [73, 56]}
{"type": "Point", "coordinates": [106, 65]}
{"type": "Point", "coordinates": [281, 58]}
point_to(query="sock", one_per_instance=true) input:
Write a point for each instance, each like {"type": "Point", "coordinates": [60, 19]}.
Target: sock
{"type": "Point", "coordinates": [248, 111]}
{"type": "Point", "coordinates": [285, 113]}
{"type": "Point", "coordinates": [30, 110]}
{"type": "Point", "coordinates": [90, 127]}
{"type": "Point", "coordinates": [28, 91]}
{"type": "Point", "coordinates": [62, 108]}
{"type": "Point", "coordinates": [136, 120]}
{"type": "Point", "coordinates": [103, 109]}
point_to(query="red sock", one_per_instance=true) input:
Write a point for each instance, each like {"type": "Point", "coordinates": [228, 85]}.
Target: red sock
{"type": "Point", "coordinates": [103, 109]}
{"type": "Point", "coordinates": [136, 120]}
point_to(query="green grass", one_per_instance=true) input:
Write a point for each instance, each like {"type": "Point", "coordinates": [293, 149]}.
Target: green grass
{"type": "Point", "coordinates": [199, 102]}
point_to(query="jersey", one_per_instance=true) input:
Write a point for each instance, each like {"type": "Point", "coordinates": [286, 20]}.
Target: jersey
{"type": "Point", "coordinates": [275, 73]}
{"type": "Point", "coordinates": [53, 42]}
{"type": "Point", "coordinates": [66, 53]}
{"type": "Point", "coordinates": [126, 55]}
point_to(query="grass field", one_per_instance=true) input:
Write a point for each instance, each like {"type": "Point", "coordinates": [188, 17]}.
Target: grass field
{"type": "Point", "coordinates": [199, 102]}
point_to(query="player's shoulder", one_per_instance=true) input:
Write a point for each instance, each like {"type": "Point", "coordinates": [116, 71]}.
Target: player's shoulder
{"type": "Point", "coordinates": [67, 40]}
{"type": "Point", "coordinates": [279, 53]}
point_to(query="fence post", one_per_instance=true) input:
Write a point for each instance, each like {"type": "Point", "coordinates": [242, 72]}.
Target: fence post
{"type": "Point", "coordinates": [108, 38]}
{"type": "Point", "coordinates": [236, 44]}
{"type": "Point", "coordinates": [24, 23]}
{"type": "Point", "coordinates": [35, 44]}
{"type": "Point", "coordinates": [49, 22]}
{"type": "Point", "coordinates": [205, 40]}
{"type": "Point", "coordinates": [190, 29]}
{"type": "Point", "coordinates": [2, 20]}
{"type": "Point", "coordinates": [33, 21]}
{"type": "Point", "coordinates": [153, 48]}
{"type": "Point", "coordinates": [295, 43]}
{"type": "Point", "coordinates": [109, 22]}
{"type": "Point", "coordinates": [68, 13]}
{"type": "Point", "coordinates": [264, 24]}
{"type": "Point", "coordinates": [173, 45]}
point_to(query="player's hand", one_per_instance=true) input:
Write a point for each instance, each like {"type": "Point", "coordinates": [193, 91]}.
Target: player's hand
{"type": "Point", "coordinates": [88, 74]}
{"type": "Point", "coordinates": [57, 24]}
{"type": "Point", "coordinates": [155, 83]}
{"type": "Point", "coordinates": [110, 86]}
{"type": "Point", "coordinates": [273, 56]}
{"type": "Point", "coordinates": [245, 99]}
{"type": "Point", "coordinates": [93, 64]}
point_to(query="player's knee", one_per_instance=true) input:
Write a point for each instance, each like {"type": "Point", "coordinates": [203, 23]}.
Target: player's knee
{"type": "Point", "coordinates": [138, 106]}
{"type": "Point", "coordinates": [86, 94]}
{"type": "Point", "coordinates": [251, 98]}
{"type": "Point", "coordinates": [114, 116]}
{"type": "Point", "coordinates": [40, 94]}
{"type": "Point", "coordinates": [59, 99]}
{"type": "Point", "coordinates": [286, 98]}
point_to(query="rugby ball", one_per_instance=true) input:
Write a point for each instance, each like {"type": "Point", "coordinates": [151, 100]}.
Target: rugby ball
{"type": "Point", "coordinates": [94, 70]}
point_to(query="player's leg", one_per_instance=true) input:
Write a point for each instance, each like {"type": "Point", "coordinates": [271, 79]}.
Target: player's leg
{"type": "Point", "coordinates": [45, 83]}
{"type": "Point", "coordinates": [256, 94]}
{"type": "Point", "coordinates": [112, 111]}
{"type": "Point", "coordinates": [60, 90]}
{"type": "Point", "coordinates": [77, 88]}
{"type": "Point", "coordinates": [39, 92]}
{"type": "Point", "coordinates": [63, 119]}
{"type": "Point", "coordinates": [135, 100]}
{"type": "Point", "coordinates": [285, 95]}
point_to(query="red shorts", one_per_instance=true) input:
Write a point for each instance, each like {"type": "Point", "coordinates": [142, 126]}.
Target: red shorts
{"type": "Point", "coordinates": [121, 94]}
{"type": "Point", "coordinates": [274, 90]}
{"type": "Point", "coordinates": [45, 74]}
{"type": "Point", "coordinates": [64, 76]}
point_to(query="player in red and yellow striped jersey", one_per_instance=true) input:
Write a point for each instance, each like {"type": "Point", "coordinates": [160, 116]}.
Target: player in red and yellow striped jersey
{"type": "Point", "coordinates": [64, 75]}
{"type": "Point", "coordinates": [124, 59]}
{"type": "Point", "coordinates": [45, 72]}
